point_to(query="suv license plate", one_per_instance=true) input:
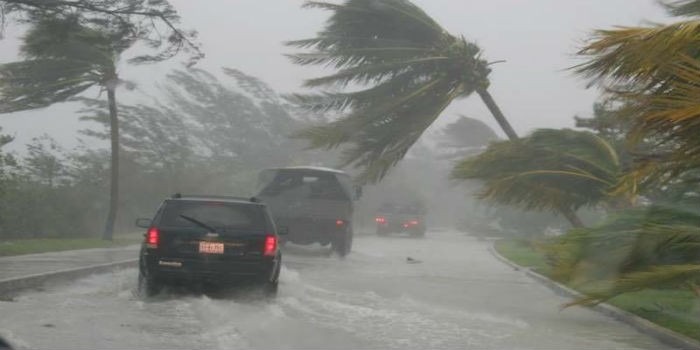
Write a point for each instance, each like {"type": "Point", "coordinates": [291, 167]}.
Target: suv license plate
{"type": "Point", "coordinates": [211, 247]}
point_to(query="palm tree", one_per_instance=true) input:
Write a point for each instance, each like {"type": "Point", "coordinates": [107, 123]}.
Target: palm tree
{"type": "Point", "coordinates": [555, 170]}
{"type": "Point", "coordinates": [411, 68]}
{"type": "Point", "coordinates": [63, 58]}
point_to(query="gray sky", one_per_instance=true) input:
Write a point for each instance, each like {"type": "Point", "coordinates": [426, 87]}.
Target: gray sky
{"type": "Point", "coordinates": [537, 38]}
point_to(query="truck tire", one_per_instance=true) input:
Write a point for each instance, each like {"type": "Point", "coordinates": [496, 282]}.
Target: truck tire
{"type": "Point", "coordinates": [342, 244]}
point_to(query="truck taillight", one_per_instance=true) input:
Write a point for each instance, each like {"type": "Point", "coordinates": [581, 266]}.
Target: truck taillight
{"type": "Point", "coordinates": [339, 222]}
{"type": "Point", "coordinates": [380, 219]}
{"type": "Point", "coordinates": [413, 222]}
{"type": "Point", "coordinates": [270, 248]}
{"type": "Point", "coordinates": [152, 237]}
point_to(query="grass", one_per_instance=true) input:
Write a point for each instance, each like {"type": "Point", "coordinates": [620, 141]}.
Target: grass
{"type": "Point", "coordinates": [522, 253]}
{"type": "Point", "coordinates": [677, 310]}
{"type": "Point", "coordinates": [43, 245]}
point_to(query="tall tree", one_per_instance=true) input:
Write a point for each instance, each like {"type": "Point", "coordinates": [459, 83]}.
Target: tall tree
{"type": "Point", "coordinates": [155, 22]}
{"type": "Point", "coordinates": [465, 136]}
{"type": "Point", "coordinates": [411, 67]}
{"type": "Point", "coordinates": [62, 58]}
{"type": "Point", "coordinates": [44, 160]}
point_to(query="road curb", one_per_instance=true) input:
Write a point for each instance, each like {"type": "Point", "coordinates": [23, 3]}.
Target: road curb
{"type": "Point", "coordinates": [645, 326]}
{"type": "Point", "coordinates": [12, 286]}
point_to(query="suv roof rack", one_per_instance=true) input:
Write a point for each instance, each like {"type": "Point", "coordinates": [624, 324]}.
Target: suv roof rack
{"type": "Point", "coordinates": [247, 199]}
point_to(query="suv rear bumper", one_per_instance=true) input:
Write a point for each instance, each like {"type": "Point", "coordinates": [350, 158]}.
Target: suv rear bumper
{"type": "Point", "coordinates": [306, 231]}
{"type": "Point", "coordinates": [170, 270]}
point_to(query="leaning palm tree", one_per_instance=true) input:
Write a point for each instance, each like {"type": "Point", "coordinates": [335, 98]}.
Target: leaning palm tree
{"type": "Point", "coordinates": [550, 170]}
{"type": "Point", "coordinates": [410, 69]}
{"type": "Point", "coordinates": [63, 58]}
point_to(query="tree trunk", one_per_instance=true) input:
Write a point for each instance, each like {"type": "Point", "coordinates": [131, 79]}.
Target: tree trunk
{"type": "Point", "coordinates": [569, 214]}
{"type": "Point", "coordinates": [497, 114]}
{"type": "Point", "coordinates": [114, 168]}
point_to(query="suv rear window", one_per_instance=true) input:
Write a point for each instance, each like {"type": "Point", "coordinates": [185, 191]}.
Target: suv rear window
{"type": "Point", "coordinates": [219, 215]}
{"type": "Point", "coordinates": [305, 185]}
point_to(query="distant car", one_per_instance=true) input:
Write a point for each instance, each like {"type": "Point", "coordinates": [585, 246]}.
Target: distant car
{"type": "Point", "coordinates": [401, 219]}
{"type": "Point", "coordinates": [315, 204]}
{"type": "Point", "coordinates": [209, 240]}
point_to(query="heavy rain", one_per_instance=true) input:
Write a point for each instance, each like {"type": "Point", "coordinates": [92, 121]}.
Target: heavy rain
{"type": "Point", "coordinates": [349, 174]}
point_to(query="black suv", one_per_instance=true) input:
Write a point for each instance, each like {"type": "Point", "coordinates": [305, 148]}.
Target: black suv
{"type": "Point", "coordinates": [209, 240]}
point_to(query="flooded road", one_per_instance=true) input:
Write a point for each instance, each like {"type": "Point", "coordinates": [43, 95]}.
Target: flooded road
{"type": "Point", "coordinates": [451, 294]}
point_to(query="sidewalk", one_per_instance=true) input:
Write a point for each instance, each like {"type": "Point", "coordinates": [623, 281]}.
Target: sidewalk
{"type": "Point", "coordinates": [31, 270]}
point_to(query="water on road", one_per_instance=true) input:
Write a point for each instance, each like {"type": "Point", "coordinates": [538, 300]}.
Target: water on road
{"type": "Point", "coordinates": [453, 295]}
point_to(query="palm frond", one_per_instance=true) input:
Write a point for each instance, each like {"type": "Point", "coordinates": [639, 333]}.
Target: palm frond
{"type": "Point", "coordinates": [655, 277]}
{"type": "Point", "coordinates": [409, 68]}
{"type": "Point", "coordinates": [688, 8]}
{"type": "Point", "coordinates": [548, 170]}
{"type": "Point", "coordinates": [629, 241]}
{"type": "Point", "coordinates": [377, 72]}
{"type": "Point", "coordinates": [39, 83]}
{"type": "Point", "coordinates": [638, 55]}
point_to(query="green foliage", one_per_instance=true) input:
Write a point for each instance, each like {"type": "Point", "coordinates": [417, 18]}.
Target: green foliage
{"type": "Point", "coordinates": [411, 69]}
{"type": "Point", "coordinates": [550, 170]}
{"type": "Point", "coordinates": [675, 309]}
{"type": "Point", "coordinates": [62, 58]}
{"type": "Point", "coordinates": [9, 247]}
{"type": "Point", "coordinates": [653, 72]}
{"type": "Point", "coordinates": [166, 147]}
{"type": "Point", "coordinates": [153, 22]}
{"type": "Point", "coordinates": [464, 137]}
{"type": "Point", "coordinates": [523, 253]}
{"type": "Point", "coordinates": [54, 194]}
{"type": "Point", "coordinates": [688, 8]}
{"type": "Point", "coordinates": [467, 133]}
{"type": "Point", "coordinates": [637, 248]}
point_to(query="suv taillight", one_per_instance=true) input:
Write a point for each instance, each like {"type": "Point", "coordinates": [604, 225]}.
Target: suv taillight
{"type": "Point", "coordinates": [270, 248]}
{"type": "Point", "coordinates": [152, 237]}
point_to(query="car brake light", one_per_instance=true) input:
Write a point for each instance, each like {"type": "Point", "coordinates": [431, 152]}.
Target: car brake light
{"type": "Point", "coordinates": [152, 237]}
{"type": "Point", "coordinates": [270, 247]}
{"type": "Point", "coordinates": [339, 222]}
{"type": "Point", "coordinates": [413, 222]}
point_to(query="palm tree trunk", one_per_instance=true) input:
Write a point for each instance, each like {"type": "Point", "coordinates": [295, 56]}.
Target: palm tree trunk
{"type": "Point", "coordinates": [571, 216]}
{"type": "Point", "coordinates": [497, 114]}
{"type": "Point", "coordinates": [488, 100]}
{"type": "Point", "coordinates": [114, 168]}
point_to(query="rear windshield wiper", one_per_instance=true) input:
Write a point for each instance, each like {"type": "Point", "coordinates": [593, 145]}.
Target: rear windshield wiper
{"type": "Point", "coordinates": [198, 223]}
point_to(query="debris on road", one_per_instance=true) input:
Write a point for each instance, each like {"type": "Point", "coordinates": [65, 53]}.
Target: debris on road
{"type": "Point", "coordinates": [411, 260]}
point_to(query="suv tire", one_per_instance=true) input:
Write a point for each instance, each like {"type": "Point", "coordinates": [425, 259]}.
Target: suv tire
{"type": "Point", "coordinates": [147, 285]}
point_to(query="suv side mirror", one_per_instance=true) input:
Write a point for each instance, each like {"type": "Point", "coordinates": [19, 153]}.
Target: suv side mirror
{"type": "Point", "coordinates": [143, 223]}
{"type": "Point", "coordinates": [358, 192]}
{"type": "Point", "coordinates": [283, 231]}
